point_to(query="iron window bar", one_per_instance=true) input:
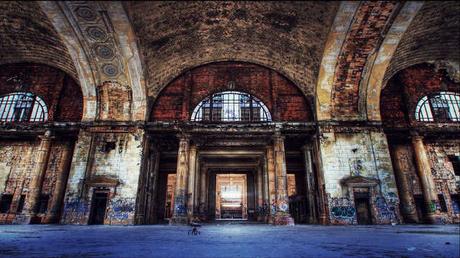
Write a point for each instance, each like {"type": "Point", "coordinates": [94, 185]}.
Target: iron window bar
{"type": "Point", "coordinates": [443, 107]}
{"type": "Point", "coordinates": [231, 106]}
{"type": "Point", "coordinates": [22, 107]}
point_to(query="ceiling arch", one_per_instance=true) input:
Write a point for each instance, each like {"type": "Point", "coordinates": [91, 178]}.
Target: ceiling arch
{"type": "Point", "coordinates": [28, 36]}
{"type": "Point", "coordinates": [286, 36]}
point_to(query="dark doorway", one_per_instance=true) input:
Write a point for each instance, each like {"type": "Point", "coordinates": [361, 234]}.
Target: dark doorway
{"type": "Point", "coordinates": [98, 207]}
{"type": "Point", "coordinates": [419, 207]}
{"type": "Point", "coordinates": [363, 210]}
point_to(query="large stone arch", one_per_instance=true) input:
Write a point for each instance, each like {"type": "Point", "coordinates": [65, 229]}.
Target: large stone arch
{"type": "Point", "coordinates": [429, 34]}
{"type": "Point", "coordinates": [332, 49]}
{"type": "Point", "coordinates": [256, 61]}
{"type": "Point", "coordinates": [180, 96]}
{"type": "Point", "coordinates": [371, 101]}
{"type": "Point", "coordinates": [102, 45]}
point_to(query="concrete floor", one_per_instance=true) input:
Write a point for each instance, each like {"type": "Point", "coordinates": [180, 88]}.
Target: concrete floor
{"type": "Point", "coordinates": [229, 241]}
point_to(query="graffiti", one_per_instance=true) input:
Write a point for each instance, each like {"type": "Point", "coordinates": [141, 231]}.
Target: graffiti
{"type": "Point", "coordinates": [392, 197]}
{"type": "Point", "coordinates": [76, 206]}
{"type": "Point", "coordinates": [75, 211]}
{"type": "Point", "coordinates": [180, 207]}
{"type": "Point", "coordinates": [283, 206]}
{"type": "Point", "coordinates": [455, 207]}
{"type": "Point", "coordinates": [121, 209]}
{"type": "Point", "coordinates": [342, 210]}
{"type": "Point", "coordinates": [356, 167]}
{"type": "Point", "coordinates": [433, 206]}
{"type": "Point", "coordinates": [263, 210]}
{"type": "Point", "coordinates": [386, 210]}
{"type": "Point", "coordinates": [273, 207]}
{"type": "Point", "coordinates": [442, 220]}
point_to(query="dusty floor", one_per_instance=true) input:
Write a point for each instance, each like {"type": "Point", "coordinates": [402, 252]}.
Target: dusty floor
{"type": "Point", "coordinates": [229, 241]}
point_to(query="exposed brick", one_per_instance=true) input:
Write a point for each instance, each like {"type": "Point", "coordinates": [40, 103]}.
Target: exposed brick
{"type": "Point", "coordinates": [432, 35]}
{"type": "Point", "coordinates": [60, 92]}
{"type": "Point", "coordinates": [407, 87]}
{"type": "Point", "coordinates": [28, 36]}
{"type": "Point", "coordinates": [362, 39]}
{"type": "Point", "coordinates": [282, 98]}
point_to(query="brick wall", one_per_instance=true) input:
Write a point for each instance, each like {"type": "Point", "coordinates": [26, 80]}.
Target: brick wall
{"type": "Point", "coordinates": [28, 36]}
{"type": "Point", "coordinates": [432, 35]}
{"type": "Point", "coordinates": [60, 92]}
{"type": "Point", "coordinates": [284, 100]}
{"type": "Point", "coordinates": [407, 87]}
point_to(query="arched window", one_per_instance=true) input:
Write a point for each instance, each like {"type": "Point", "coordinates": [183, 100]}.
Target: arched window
{"type": "Point", "coordinates": [22, 107]}
{"type": "Point", "coordinates": [231, 106]}
{"type": "Point", "coordinates": [439, 107]}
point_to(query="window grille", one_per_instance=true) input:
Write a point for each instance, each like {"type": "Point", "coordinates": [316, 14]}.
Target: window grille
{"type": "Point", "coordinates": [440, 107]}
{"type": "Point", "coordinates": [22, 107]}
{"type": "Point", "coordinates": [231, 106]}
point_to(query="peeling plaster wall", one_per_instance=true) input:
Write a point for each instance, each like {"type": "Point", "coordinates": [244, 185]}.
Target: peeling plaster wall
{"type": "Point", "coordinates": [100, 160]}
{"type": "Point", "coordinates": [446, 182]}
{"type": "Point", "coordinates": [365, 154]}
{"type": "Point", "coordinates": [17, 163]}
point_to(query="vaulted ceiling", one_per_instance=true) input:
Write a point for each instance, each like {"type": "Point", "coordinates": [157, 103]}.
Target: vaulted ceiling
{"type": "Point", "coordinates": [340, 54]}
{"type": "Point", "coordinates": [286, 36]}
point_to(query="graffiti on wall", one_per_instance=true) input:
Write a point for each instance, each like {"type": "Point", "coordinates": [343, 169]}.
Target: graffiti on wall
{"type": "Point", "coordinates": [385, 210]}
{"type": "Point", "coordinates": [342, 210]}
{"type": "Point", "coordinates": [121, 209]}
{"type": "Point", "coordinates": [75, 210]}
{"type": "Point", "coordinates": [180, 207]}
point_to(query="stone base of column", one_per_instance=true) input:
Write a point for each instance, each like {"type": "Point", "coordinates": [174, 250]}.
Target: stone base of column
{"type": "Point", "coordinates": [323, 220]}
{"type": "Point", "coordinates": [51, 219]}
{"type": "Point", "coordinates": [283, 219]}
{"type": "Point", "coordinates": [179, 220]}
{"type": "Point", "coordinates": [260, 218]}
{"type": "Point", "coordinates": [27, 219]}
{"type": "Point", "coordinates": [430, 218]}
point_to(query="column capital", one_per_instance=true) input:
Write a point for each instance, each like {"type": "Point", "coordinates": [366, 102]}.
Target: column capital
{"type": "Point", "coordinates": [278, 136]}
{"type": "Point", "coordinates": [417, 138]}
{"type": "Point", "coordinates": [48, 135]}
{"type": "Point", "coordinates": [183, 136]}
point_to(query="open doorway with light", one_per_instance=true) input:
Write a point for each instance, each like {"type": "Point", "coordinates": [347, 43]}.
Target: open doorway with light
{"type": "Point", "coordinates": [231, 197]}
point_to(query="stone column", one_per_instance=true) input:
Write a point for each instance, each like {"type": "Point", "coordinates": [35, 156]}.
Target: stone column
{"type": "Point", "coordinates": [310, 183]}
{"type": "Point", "coordinates": [271, 178]}
{"type": "Point", "coordinates": [59, 188]}
{"type": "Point", "coordinates": [197, 190]}
{"type": "Point", "coordinates": [260, 198]}
{"type": "Point", "coordinates": [426, 179]}
{"type": "Point", "coordinates": [37, 176]}
{"type": "Point", "coordinates": [282, 216]}
{"type": "Point", "coordinates": [320, 185]}
{"type": "Point", "coordinates": [191, 183]}
{"type": "Point", "coordinates": [407, 199]}
{"type": "Point", "coordinates": [180, 196]}
{"type": "Point", "coordinates": [203, 196]}
{"type": "Point", "coordinates": [266, 190]}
